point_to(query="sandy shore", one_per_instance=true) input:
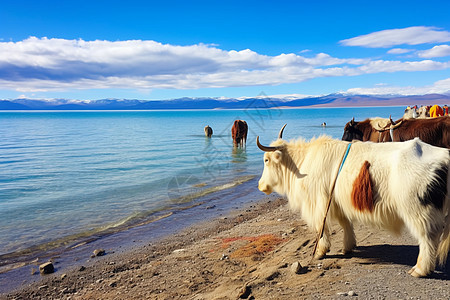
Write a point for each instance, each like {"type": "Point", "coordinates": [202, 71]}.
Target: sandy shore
{"type": "Point", "coordinates": [250, 254]}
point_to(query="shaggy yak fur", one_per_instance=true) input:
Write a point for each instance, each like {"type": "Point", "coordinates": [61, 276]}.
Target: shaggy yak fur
{"type": "Point", "coordinates": [390, 185]}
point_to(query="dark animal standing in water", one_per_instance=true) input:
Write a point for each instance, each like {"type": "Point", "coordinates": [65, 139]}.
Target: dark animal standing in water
{"type": "Point", "coordinates": [208, 131]}
{"type": "Point", "coordinates": [239, 133]}
{"type": "Point", "coordinates": [435, 131]}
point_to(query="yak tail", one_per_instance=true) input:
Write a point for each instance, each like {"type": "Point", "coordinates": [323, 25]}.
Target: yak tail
{"type": "Point", "coordinates": [444, 245]}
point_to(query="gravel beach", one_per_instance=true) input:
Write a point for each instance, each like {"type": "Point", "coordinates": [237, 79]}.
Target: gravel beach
{"type": "Point", "coordinates": [262, 251]}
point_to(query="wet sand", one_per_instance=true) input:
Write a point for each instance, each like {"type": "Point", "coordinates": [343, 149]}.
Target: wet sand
{"type": "Point", "coordinates": [249, 254]}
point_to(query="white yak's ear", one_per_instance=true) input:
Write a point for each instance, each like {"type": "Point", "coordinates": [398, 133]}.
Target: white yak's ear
{"type": "Point", "coordinates": [277, 156]}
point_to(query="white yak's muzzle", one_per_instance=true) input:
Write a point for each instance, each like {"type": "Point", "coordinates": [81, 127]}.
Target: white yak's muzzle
{"type": "Point", "coordinates": [264, 188]}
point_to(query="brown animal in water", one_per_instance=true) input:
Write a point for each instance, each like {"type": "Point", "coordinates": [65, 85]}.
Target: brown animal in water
{"type": "Point", "coordinates": [435, 131]}
{"type": "Point", "coordinates": [239, 133]}
{"type": "Point", "coordinates": [208, 131]}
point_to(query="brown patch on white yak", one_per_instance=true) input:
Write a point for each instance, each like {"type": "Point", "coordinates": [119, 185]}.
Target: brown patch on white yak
{"type": "Point", "coordinates": [362, 193]}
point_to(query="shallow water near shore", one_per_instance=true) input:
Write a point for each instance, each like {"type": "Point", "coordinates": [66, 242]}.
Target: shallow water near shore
{"type": "Point", "coordinates": [218, 204]}
{"type": "Point", "coordinates": [71, 178]}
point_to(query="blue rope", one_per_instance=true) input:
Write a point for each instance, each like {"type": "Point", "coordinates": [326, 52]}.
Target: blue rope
{"type": "Point", "coordinates": [345, 157]}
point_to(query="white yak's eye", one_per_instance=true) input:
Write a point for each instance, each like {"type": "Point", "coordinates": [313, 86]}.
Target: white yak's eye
{"type": "Point", "coordinates": [266, 160]}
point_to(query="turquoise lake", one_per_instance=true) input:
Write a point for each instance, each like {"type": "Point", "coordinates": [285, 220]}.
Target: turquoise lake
{"type": "Point", "coordinates": [67, 175]}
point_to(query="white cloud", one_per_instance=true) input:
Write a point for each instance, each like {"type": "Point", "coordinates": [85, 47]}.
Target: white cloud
{"type": "Point", "coordinates": [406, 36]}
{"type": "Point", "coordinates": [379, 66]}
{"type": "Point", "coordinates": [436, 51]}
{"type": "Point", "coordinates": [42, 64]}
{"type": "Point", "coordinates": [399, 51]}
{"type": "Point", "coordinates": [439, 87]}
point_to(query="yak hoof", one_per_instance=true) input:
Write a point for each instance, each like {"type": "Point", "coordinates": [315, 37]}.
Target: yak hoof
{"type": "Point", "coordinates": [417, 275]}
{"type": "Point", "coordinates": [414, 273]}
{"type": "Point", "coordinates": [320, 256]}
{"type": "Point", "coordinates": [347, 252]}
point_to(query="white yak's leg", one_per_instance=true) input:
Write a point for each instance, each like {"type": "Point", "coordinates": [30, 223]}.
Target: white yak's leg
{"type": "Point", "coordinates": [324, 244]}
{"type": "Point", "coordinates": [427, 230]}
{"type": "Point", "coordinates": [426, 261]}
{"type": "Point", "coordinates": [349, 235]}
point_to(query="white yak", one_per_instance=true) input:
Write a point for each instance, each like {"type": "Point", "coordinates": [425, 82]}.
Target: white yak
{"type": "Point", "coordinates": [384, 184]}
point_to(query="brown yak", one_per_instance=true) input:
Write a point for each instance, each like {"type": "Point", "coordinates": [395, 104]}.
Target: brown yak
{"type": "Point", "coordinates": [239, 133]}
{"type": "Point", "coordinates": [434, 131]}
{"type": "Point", "coordinates": [208, 131]}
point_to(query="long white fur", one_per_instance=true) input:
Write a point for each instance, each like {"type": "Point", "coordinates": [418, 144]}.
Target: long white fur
{"type": "Point", "coordinates": [400, 172]}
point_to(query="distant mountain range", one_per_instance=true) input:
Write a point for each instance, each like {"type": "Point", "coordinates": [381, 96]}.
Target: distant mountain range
{"type": "Point", "coordinates": [332, 100]}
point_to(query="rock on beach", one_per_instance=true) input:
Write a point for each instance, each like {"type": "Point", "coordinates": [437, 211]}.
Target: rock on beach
{"type": "Point", "coordinates": [46, 268]}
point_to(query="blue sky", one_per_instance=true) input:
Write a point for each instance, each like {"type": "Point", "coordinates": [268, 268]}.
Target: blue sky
{"type": "Point", "coordinates": [170, 49]}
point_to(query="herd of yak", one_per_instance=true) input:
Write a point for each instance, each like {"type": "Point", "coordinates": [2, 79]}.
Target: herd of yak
{"type": "Point", "coordinates": [389, 185]}
{"type": "Point", "coordinates": [429, 123]}
{"type": "Point", "coordinates": [238, 132]}
{"type": "Point", "coordinates": [431, 130]}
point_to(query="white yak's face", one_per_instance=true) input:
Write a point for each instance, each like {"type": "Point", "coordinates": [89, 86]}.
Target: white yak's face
{"type": "Point", "coordinates": [271, 177]}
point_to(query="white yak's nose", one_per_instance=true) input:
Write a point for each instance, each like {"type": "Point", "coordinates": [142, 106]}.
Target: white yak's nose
{"type": "Point", "coordinates": [264, 188]}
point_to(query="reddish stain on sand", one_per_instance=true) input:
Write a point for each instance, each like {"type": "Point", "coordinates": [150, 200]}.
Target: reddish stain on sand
{"type": "Point", "coordinates": [257, 245]}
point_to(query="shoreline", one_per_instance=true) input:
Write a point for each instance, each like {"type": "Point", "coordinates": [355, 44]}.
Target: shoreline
{"type": "Point", "coordinates": [249, 253]}
{"type": "Point", "coordinates": [24, 270]}
{"type": "Point", "coordinates": [159, 247]}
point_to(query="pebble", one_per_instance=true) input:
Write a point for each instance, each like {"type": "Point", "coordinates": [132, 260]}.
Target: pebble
{"type": "Point", "coordinates": [296, 267]}
{"type": "Point", "coordinates": [46, 268]}
{"type": "Point", "coordinates": [351, 293]}
{"type": "Point", "coordinates": [178, 250]}
{"type": "Point", "coordinates": [99, 252]}
{"type": "Point", "coordinates": [63, 276]}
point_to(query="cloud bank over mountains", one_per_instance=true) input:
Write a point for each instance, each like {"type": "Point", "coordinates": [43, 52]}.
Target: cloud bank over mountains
{"type": "Point", "coordinates": [49, 64]}
{"type": "Point", "coordinates": [441, 86]}
{"type": "Point", "coordinates": [260, 102]}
